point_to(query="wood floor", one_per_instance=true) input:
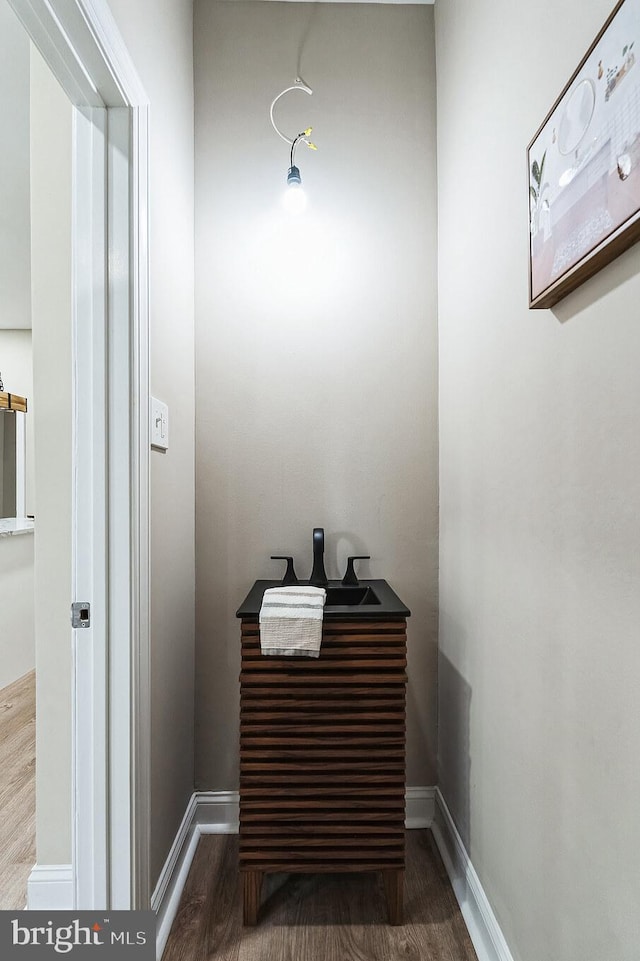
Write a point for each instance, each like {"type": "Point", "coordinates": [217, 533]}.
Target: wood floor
{"type": "Point", "coordinates": [317, 917]}
{"type": "Point", "coordinates": [17, 790]}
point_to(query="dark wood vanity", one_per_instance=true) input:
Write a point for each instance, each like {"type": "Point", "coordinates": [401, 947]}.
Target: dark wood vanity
{"type": "Point", "coordinates": [322, 753]}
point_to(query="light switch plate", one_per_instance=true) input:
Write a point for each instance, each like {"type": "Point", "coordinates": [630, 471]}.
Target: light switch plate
{"type": "Point", "coordinates": [159, 425]}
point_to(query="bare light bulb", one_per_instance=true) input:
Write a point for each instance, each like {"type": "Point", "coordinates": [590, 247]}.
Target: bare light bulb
{"type": "Point", "coordinates": [295, 199]}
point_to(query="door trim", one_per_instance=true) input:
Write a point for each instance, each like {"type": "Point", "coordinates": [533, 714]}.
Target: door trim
{"type": "Point", "coordinates": [82, 45]}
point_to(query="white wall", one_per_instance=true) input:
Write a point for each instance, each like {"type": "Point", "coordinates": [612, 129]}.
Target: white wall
{"type": "Point", "coordinates": [51, 153]}
{"type": "Point", "coordinates": [16, 365]}
{"type": "Point", "coordinates": [15, 290]}
{"type": "Point", "coordinates": [17, 650]}
{"type": "Point", "coordinates": [316, 338]}
{"type": "Point", "coordinates": [540, 511]}
{"type": "Point", "coordinates": [17, 653]}
{"type": "Point", "coordinates": [159, 35]}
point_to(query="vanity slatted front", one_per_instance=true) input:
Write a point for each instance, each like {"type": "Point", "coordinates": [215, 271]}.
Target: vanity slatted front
{"type": "Point", "coordinates": [322, 757]}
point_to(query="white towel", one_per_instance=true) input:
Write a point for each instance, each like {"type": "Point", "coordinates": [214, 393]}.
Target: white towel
{"type": "Point", "coordinates": [291, 621]}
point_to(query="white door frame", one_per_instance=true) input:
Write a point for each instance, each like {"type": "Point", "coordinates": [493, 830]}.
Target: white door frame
{"type": "Point", "coordinates": [81, 43]}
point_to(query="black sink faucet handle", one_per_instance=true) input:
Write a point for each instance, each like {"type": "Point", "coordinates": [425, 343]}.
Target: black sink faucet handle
{"type": "Point", "coordinates": [350, 577]}
{"type": "Point", "coordinates": [289, 575]}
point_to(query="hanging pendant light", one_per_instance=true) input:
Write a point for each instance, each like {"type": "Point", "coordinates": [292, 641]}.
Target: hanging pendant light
{"type": "Point", "coordinates": [295, 199]}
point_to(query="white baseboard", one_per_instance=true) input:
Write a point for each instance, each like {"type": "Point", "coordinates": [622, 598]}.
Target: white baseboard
{"type": "Point", "coordinates": [218, 812]}
{"type": "Point", "coordinates": [420, 803]}
{"type": "Point", "coordinates": [168, 891]}
{"type": "Point", "coordinates": [50, 888]}
{"type": "Point", "coordinates": [484, 930]}
{"type": "Point", "coordinates": [208, 812]}
{"type": "Point", "coordinates": [177, 848]}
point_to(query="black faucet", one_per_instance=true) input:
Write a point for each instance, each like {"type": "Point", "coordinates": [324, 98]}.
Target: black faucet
{"type": "Point", "coordinates": [290, 574]}
{"type": "Point", "coordinates": [318, 577]}
{"type": "Point", "coordinates": [350, 577]}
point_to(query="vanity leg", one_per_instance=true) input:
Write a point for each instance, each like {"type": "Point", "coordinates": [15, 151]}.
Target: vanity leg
{"type": "Point", "coordinates": [252, 885]}
{"type": "Point", "coordinates": [394, 890]}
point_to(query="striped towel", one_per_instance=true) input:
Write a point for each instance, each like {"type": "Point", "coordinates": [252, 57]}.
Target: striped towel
{"type": "Point", "coordinates": [291, 621]}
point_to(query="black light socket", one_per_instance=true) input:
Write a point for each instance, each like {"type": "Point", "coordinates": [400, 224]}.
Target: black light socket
{"type": "Point", "coordinates": [293, 177]}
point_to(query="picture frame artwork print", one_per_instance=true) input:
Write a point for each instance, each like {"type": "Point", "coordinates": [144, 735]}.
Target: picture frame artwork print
{"type": "Point", "coordinates": [584, 165]}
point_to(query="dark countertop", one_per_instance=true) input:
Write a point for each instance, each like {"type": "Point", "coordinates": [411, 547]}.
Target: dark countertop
{"type": "Point", "coordinates": [390, 604]}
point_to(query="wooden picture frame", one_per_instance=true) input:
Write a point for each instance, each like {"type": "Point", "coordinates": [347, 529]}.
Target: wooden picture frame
{"type": "Point", "coordinates": [583, 165]}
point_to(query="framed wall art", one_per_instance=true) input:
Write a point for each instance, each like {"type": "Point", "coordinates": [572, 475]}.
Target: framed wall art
{"type": "Point", "coordinates": [584, 165]}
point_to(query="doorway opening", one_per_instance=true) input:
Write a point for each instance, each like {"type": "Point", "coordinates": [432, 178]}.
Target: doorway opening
{"type": "Point", "coordinates": [93, 792]}
{"type": "Point", "coordinates": [36, 428]}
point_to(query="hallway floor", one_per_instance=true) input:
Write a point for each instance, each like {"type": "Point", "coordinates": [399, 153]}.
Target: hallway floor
{"type": "Point", "coordinates": [17, 790]}
{"type": "Point", "coordinates": [317, 917]}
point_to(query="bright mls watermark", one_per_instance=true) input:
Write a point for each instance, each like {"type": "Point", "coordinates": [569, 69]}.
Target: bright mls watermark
{"type": "Point", "coordinates": [78, 935]}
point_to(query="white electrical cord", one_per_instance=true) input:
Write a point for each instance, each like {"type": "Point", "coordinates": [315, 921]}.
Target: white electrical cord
{"type": "Point", "coordinates": [298, 85]}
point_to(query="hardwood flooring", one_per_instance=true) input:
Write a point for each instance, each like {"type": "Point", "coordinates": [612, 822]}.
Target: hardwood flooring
{"type": "Point", "coordinates": [318, 917]}
{"type": "Point", "coordinates": [17, 790]}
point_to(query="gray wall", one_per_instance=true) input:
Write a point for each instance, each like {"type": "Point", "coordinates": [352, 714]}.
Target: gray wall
{"type": "Point", "coordinates": [316, 337]}
{"type": "Point", "coordinates": [159, 36]}
{"type": "Point", "coordinates": [540, 511]}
